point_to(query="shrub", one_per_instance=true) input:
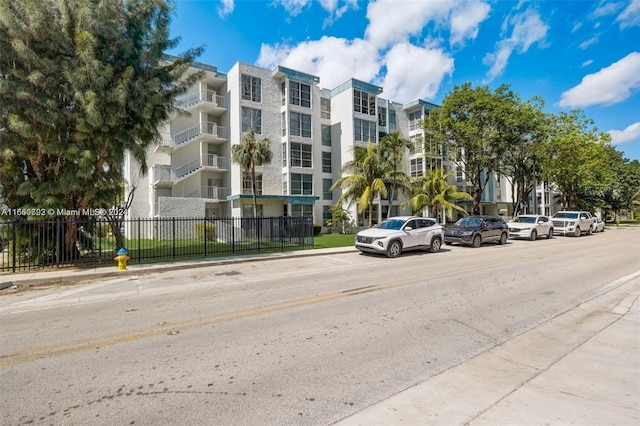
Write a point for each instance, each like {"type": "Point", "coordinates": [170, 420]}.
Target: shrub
{"type": "Point", "coordinates": [316, 230]}
{"type": "Point", "coordinates": [207, 227]}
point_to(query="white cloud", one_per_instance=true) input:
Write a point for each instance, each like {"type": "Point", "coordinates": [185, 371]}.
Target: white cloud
{"type": "Point", "coordinates": [629, 134]}
{"type": "Point", "coordinates": [606, 8]}
{"type": "Point", "coordinates": [608, 86]}
{"type": "Point", "coordinates": [587, 43]}
{"type": "Point", "coordinates": [391, 22]}
{"type": "Point", "coordinates": [225, 8]}
{"type": "Point", "coordinates": [466, 19]}
{"type": "Point", "coordinates": [334, 60]}
{"type": "Point", "coordinates": [336, 12]}
{"type": "Point", "coordinates": [528, 29]}
{"type": "Point", "coordinates": [630, 17]}
{"type": "Point", "coordinates": [293, 7]}
{"type": "Point", "coordinates": [587, 63]}
{"type": "Point", "coordinates": [414, 72]}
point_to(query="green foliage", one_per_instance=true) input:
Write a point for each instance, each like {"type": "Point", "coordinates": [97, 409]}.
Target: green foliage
{"type": "Point", "coordinates": [365, 178]}
{"type": "Point", "coordinates": [339, 218]}
{"type": "Point", "coordinates": [250, 153]}
{"type": "Point", "coordinates": [393, 148]}
{"type": "Point", "coordinates": [81, 83]}
{"type": "Point", "coordinates": [434, 191]}
{"type": "Point", "coordinates": [206, 230]}
{"type": "Point", "coordinates": [333, 240]}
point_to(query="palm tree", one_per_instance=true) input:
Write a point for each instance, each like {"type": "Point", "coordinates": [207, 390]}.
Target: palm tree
{"type": "Point", "coordinates": [365, 179]}
{"type": "Point", "coordinates": [249, 153]}
{"type": "Point", "coordinates": [393, 148]}
{"type": "Point", "coordinates": [434, 191]}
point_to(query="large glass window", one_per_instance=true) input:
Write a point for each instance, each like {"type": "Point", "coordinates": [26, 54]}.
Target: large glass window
{"type": "Point", "coordinates": [251, 88]}
{"type": "Point", "coordinates": [392, 120]}
{"type": "Point", "coordinates": [326, 162]}
{"type": "Point", "coordinates": [251, 117]}
{"type": "Point", "coordinates": [325, 108]}
{"type": "Point", "coordinates": [300, 124]}
{"type": "Point", "coordinates": [247, 210]}
{"type": "Point", "coordinates": [416, 167]}
{"type": "Point", "coordinates": [304, 210]}
{"type": "Point", "coordinates": [246, 184]}
{"type": "Point", "coordinates": [364, 131]}
{"type": "Point", "coordinates": [301, 184]}
{"type": "Point", "coordinates": [300, 94]}
{"type": "Point", "coordinates": [301, 155]}
{"type": "Point", "coordinates": [364, 102]}
{"type": "Point", "coordinates": [327, 193]}
{"type": "Point", "coordinates": [284, 155]}
{"type": "Point", "coordinates": [326, 214]}
{"type": "Point", "coordinates": [284, 124]}
{"type": "Point", "coordinates": [414, 120]}
{"type": "Point", "coordinates": [382, 116]}
{"type": "Point", "coordinates": [326, 135]}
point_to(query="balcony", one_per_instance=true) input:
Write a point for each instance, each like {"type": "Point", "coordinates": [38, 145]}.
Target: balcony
{"type": "Point", "coordinates": [208, 100]}
{"type": "Point", "coordinates": [212, 131]}
{"type": "Point", "coordinates": [217, 193]}
{"type": "Point", "coordinates": [165, 176]}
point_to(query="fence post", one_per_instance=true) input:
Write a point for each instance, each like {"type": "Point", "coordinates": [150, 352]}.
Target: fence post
{"type": "Point", "coordinates": [233, 235]}
{"type": "Point", "coordinates": [139, 251]}
{"type": "Point", "coordinates": [204, 228]}
{"type": "Point", "coordinates": [15, 238]}
{"type": "Point", "coordinates": [173, 232]}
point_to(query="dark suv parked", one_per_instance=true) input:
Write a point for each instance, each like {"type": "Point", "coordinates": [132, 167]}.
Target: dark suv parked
{"type": "Point", "coordinates": [475, 230]}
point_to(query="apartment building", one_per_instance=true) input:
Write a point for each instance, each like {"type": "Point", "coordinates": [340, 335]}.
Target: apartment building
{"type": "Point", "coordinates": [312, 132]}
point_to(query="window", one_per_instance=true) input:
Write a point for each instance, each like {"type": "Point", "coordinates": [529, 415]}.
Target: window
{"type": "Point", "coordinates": [364, 102]}
{"type": "Point", "coordinates": [326, 214]}
{"type": "Point", "coordinates": [300, 124]}
{"type": "Point", "coordinates": [459, 174]}
{"type": "Point", "coordinates": [364, 131]}
{"type": "Point", "coordinates": [247, 210]}
{"type": "Point", "coordinates": [392, 120]}
{"type": "Point", "coordinates": [301, 184]}
{"type": "Point", "coordinates": [326, 135]}
{"type": "Point", "coordinates": [246, 184]}
{"type": "Point", "coordinates": [284, 124]}
{"type": "Point", "coordinates": [414, 120]}
{"type": "Point", "coordinates": [417, 142]}
{"type": "Point", "coordinates": [382, 116]}
{"type": "Point", "coordinates": [252, 118]}
{"type": "Point", "coordinates": [302, 210]}
{"type": "Point", "coordinates": [327, 193]}
{"type": "Point", "coordinates": [251, 88]}
{"type": "Point", "coordinates": [300, 155]}
{"type": "Point", "coordinates": [284, 155]}
{"type": "Point", "coordinates": [300, 94]}
{"type": "Point", "coordinates": [326, 162]}
{"type": "Point", "coordinates": [325, 108]}
{"type": "Point", "coordinates": [416, 167]}
{"type": "Point", "coordinates": [283, 93]}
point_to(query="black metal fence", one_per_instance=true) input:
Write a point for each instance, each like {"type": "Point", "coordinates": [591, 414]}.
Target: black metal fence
{"type": "Point", "coordinates": [32, 245]}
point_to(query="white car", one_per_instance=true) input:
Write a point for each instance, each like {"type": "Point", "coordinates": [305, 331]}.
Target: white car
{"type": "Point", "coordinates": [530, 226]}
{"type": "Point", "coordinates": [394, 235]}
{"type": "Point", "coordinates": [599, 225]}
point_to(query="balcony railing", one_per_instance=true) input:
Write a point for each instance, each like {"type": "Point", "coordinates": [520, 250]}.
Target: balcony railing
{"type": "Point", "coordinates": [214, 192]}
{"type": "Point", "coordinates": [209, 128]}
{"type": "Point", "coordinates": [166, 173]}
{"type": "Point", "coordinates": [210, 96]}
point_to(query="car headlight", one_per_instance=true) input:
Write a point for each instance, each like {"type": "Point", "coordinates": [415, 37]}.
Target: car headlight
{"type": "Point", "coordinates": [467, 233]}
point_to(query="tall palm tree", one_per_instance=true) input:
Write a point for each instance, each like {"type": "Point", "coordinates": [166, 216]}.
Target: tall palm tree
{"type": "Point", "coordinates": [365, 178]}
{"type": "Point", "coordinates": [248, 154]}
{"type": "Point", "coordinates": [434, 191]}
{"type": "Point", "coordinates": [393, 148]}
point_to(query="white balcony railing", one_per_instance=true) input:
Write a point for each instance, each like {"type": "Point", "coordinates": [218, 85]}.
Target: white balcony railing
{"type": "Point", "coordinates": [210, 96]}
{"type": "Point", "coordinates": [214, 192]}
{"type": "Point", "coordinates": [210, 128]}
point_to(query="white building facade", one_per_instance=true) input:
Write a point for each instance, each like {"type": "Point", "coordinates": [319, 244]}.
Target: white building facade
{"type": "Point", "coordinates": [312, 133]}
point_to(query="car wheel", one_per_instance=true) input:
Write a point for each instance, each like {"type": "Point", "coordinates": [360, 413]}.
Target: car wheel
{"type": "Point", "coordinates": [534, 235]}
{"type": "Point", "coordinates": [435, 245]}
{"type": "Point", "coordinates": [503, 238]}
{"type": "Point", "coordinates": [477, 241]}
{"type": "Point", "coordinates": [550, 234]}
{"type": "Point", "coordinates": [577, 232]}
{"type": "Point", "coordinates": [394, 249]}
{"type": "Point", "coordinates": [448, 243]}
{"type": "Point", "coordinates": [590, 231]}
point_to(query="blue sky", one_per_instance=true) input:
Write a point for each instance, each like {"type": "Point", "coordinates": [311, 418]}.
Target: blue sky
{"type": "Point", "coordinates": [575, 54]}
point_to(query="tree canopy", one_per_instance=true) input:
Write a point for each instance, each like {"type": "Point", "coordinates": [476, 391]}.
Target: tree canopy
{"type": "Point", "coordinates": [250, 153]}
{"type": "Point", "coordinates": [81, 83]}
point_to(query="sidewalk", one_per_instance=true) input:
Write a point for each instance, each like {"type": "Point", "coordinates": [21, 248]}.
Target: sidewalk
{"type": "Point", "coordinates": [76, 275]}
{"type": "Point", "coordinates": [580, 368]}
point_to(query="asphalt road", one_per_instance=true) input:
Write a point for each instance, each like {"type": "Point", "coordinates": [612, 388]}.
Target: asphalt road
{"type": "Point", "coordinates": [305, 340]}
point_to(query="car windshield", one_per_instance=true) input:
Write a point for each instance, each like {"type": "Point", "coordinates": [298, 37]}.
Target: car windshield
{"type": "Point", "coordinates": [564, 215]}
{"type": "Point", "coordinates": [469, 221]}
{"type": "Point", "coordinates": [390, 224]}
{"type": "Point", "coordinates": [525, 219]}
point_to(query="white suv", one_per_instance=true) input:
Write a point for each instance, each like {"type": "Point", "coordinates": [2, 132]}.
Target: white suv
{"type": "Point", "coordinates": [397, 234]}
{"type": "Point", "coordinates": [573, 223]}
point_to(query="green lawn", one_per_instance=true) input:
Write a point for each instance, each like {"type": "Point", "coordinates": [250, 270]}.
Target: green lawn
{"type": "Point", "coordinates": [333, 240]}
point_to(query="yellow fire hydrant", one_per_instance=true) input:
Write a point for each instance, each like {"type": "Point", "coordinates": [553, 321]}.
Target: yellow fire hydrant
{"type": "Point", "coordinates": [122, 258]}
